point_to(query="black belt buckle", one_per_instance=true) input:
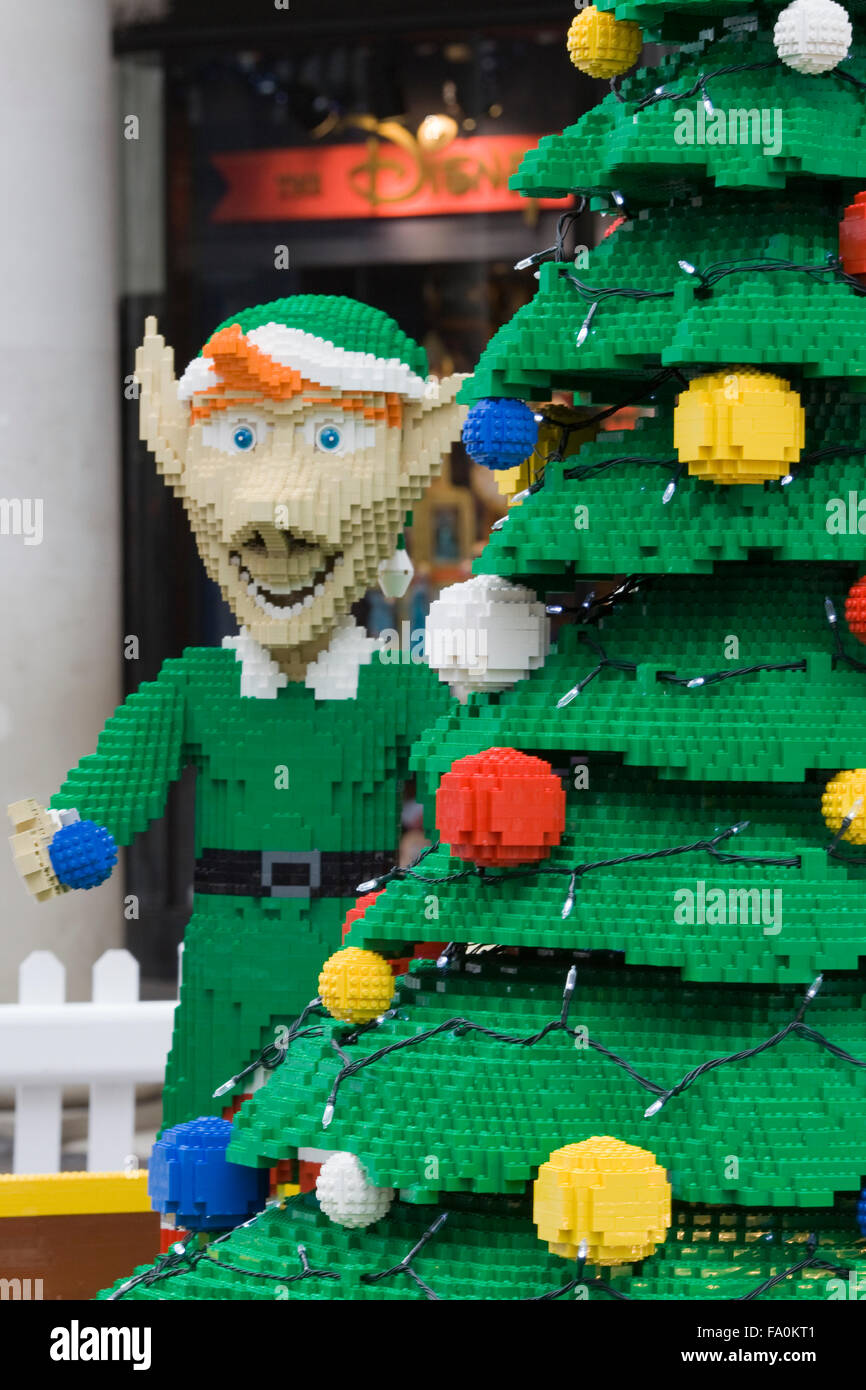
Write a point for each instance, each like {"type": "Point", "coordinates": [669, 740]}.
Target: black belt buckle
{"type": "Point", "coordinates": [278, 858]}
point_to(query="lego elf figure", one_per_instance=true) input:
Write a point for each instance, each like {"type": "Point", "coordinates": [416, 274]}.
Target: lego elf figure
{"type": "Point", "coordinates": [297, 441]}
{"type": "Point", "coordinates": [639, 1063]}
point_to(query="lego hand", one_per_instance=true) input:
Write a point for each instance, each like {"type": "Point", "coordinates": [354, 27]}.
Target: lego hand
{"type": "Point", "coordinates": [56, 850]}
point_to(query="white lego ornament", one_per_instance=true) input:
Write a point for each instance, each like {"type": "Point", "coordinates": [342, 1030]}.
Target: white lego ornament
{"type": "Point", "coordinates": [395, 573]}
{"type": "Point", "coordinates": [346, 1196]}
{"type": "Point", "coordinates": [486, 634]}
{"type": "Point", "coordinates": [812, 36]}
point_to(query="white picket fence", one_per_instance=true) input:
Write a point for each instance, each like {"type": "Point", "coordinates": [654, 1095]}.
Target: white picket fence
{"type": "Point", "coordinates": [112, 1044]}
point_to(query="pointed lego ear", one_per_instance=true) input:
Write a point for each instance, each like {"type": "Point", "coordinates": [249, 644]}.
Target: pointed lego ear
{"type": "Point", "coordinates": [163, 419]}
{"type": "Point", "coordinates": [431, 425]}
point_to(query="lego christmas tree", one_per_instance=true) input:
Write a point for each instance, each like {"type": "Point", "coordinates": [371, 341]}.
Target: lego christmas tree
{"type": "Point", "coordinates": [638, 1067]}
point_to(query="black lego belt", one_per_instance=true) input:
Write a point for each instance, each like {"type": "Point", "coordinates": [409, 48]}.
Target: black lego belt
{"type": "Point", "coordinates": [277, 873]}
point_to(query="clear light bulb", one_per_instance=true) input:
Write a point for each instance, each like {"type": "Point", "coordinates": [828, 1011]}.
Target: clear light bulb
{"type": "Point", "coordinates": [583, 332]}
{"type": "Point", "coordinates": [568, 697]}
{"type": "Point", "coordinates": [695, 682]}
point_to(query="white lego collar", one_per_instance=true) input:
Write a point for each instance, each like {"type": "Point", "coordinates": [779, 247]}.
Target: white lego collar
{"type": "Point", "coordinates": [332, 676]}
{"type": "Point", "coordinates": [317, 360]}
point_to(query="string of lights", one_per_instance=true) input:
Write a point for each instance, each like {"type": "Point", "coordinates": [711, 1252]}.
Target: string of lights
{"type": "Point", "coordinates": [598, 466]}
{"type": "Point", "coordinates": [699, 87]}
{"type": "Point", "coordinates": [565, 223]}
{"type": "Point", "coordinates": [577, 871]}
{"type": "Point", "coordinates": [660, 94]}
{"type": "Point", "coordinates": [707, 279]}
{"type": "Point", "coordinates": [827, 451]}
{"type": "Point", "coordinates": [578, 472]}
{"type": "Point", "coordinates": [274, 1053]}
{"type": "Point", "coordinates": [459, 1026]}
{"type": "Point", "coordinates": [630, 587]}
{"type": "Point", "coordinates": [670, 677]}
{"type": "Point", "coordinates": [648, 389]}
{"type": "Point", "coordinates": [184, 1257]}
{"type": "Point", "coordinates": [810, 1261]}
{"type": "Point", "coordinates": [590, 608]}
{"type": "Point", "coordinates": [404, 1266]}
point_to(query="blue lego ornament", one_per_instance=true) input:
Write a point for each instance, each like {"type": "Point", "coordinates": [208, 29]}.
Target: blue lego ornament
{"type": "Point", "coordinates": [190, 1178]}
{"type": "Point", "coordinates": [500, 433]}
{"type": "Point", "coordinates": [82, 854]}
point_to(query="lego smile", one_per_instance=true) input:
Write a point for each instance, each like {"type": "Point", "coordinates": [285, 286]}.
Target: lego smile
{"type": "Point", "coordinates": [282, 600]}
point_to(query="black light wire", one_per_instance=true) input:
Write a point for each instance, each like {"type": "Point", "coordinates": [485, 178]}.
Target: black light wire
{"type": "Point", "coordinates": [460, 1026]}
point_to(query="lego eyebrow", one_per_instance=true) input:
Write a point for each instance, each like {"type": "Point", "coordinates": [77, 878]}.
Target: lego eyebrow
{"type": "Point", "coordinates": [206, 403]}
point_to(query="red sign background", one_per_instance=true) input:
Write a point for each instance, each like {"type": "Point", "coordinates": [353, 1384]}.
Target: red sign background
{"type": "Point", "coordinates": [374, 178]}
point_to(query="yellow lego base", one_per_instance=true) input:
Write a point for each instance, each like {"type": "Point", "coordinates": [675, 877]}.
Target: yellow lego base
{"type": "Point", "coordinates": [72, 1194]}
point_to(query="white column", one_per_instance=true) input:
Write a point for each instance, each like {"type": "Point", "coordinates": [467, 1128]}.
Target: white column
{"type": "Point", "coordinates": [60, 389]}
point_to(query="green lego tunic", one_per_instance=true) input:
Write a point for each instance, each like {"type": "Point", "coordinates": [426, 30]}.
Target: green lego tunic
{"type": "Point", "coordinates": [297, 801]}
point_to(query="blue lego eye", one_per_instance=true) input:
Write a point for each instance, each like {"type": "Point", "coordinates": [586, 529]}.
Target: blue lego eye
{"type": "Point", "coordinates": [243, 438]}
{"type": "Point", "coordinates": [328, 438]}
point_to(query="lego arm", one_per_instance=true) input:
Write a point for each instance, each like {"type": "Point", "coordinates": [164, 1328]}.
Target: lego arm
{"type": "Point", "coordinates": [108, 798]}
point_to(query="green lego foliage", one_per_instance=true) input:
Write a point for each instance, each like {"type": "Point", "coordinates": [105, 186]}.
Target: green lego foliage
{"type": "Point", "coordinates": [780, 320]}
{"type": "Point", "coordinates": [473, 1113]}
{"type": "Point", "coordinates": [686, 18]}
{"type": "Point", "coordinates": [646, 156]}
{"type": "Point", "coordinates": [767, 726]}
{"type": "Point", "coordinates": [772, 924]}
{"type": "Point", "coordinates": [487, 1251]}
{"type": "Point", "coordinates": [626, 527]}
{"type": "Point", "coordinates": [344, 322]}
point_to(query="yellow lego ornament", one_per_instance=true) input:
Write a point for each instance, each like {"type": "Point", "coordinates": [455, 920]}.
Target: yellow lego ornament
{"type": "Point", "coordinates": [602, 46]}
{"type": "Point", "coordinates": [356, 985]}
{"type": "Point", "coordinates": [611, 1195]}
{"type": "Point", "coordinates": [842, 802]}
{"type": "Point", "coordinates": [739, 426]}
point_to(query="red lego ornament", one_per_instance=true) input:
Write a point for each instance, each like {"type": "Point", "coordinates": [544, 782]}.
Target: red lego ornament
{"type": "Point", "coordinates": [852, 238]}
{"type": "Point", "coordinates": [855, 610]}
{"type": "Point", "coordinates": [500, 808]}
{"type": "Point", "coordinates": [354, 913]}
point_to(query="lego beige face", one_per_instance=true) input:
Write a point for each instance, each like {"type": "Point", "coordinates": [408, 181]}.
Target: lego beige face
{"type": "Point", "coordinates": [295, 490]}
{"type": "Point", "coordinates": [295, 503]}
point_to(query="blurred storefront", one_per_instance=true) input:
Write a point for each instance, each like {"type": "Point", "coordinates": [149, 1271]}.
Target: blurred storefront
{"type": "Point", "coordinates": [320, 148]}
